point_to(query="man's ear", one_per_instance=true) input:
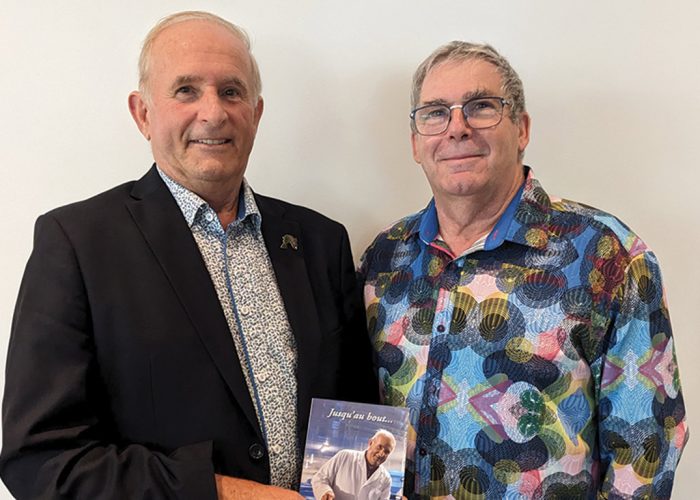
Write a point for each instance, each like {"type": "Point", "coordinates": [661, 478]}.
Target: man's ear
{"type": "Point", "coordinates": [259, 106]}
{"type": "Point", "coordinates": [523, 132]}
{"type": "Point", "coordinates": [139, 112]}
{"type": "Point", "coordinates": [414, 148]}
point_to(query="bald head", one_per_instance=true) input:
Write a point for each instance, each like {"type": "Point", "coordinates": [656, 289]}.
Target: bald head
{"type": "Point", "coordinates": [146, 59]}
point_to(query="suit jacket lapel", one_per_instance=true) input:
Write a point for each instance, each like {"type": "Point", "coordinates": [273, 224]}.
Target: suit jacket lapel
{"type": "Point", "coordinates": [292, 279]}
{"type": "Point", "coordinates": [160, 221]}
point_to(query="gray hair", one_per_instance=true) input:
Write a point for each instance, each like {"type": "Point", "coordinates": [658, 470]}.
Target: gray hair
{"type": "Point", "coordinates": [386, 434]}
{"type": "Point", "coordinates": [458, 50]}
{"type": "Point", "coordinates": [193, 15]}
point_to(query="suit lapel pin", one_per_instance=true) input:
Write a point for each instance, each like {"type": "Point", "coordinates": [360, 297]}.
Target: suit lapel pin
{"type": "Point", "coordinates": [289, 241]}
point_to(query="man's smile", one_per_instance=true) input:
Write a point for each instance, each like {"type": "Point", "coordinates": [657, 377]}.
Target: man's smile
{"type": "Point", "coordinates": [464, 155]}
{"type": "Point", "coordinates": [210, 142]}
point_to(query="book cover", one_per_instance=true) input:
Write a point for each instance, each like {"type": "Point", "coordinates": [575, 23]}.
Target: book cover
{"type": "Point", "coordinates": [346, 442]}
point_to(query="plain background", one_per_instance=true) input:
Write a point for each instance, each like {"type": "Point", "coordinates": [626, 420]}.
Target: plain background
{"type": "Point", "coordinates": [612, 88]}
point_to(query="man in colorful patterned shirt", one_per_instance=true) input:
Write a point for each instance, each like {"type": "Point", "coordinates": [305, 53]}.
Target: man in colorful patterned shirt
{"type": "Point", "coordinates": [529, 335]}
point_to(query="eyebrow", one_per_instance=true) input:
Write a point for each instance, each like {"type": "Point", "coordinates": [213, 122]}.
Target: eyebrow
{"type": "Point", "coordinates": [467, 96]}
{"type": "Point", "coordinates": [185, 80]}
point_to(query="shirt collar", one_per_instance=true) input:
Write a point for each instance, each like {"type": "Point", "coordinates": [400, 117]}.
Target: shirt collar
{"type": "Point", "coordinates": [428, 227]}
{"type": "Point", "coordinates": [529, 207]}
{"type": "Point", "coordinates": [193, 206]}
{"type": "Point", "coordinates": [499, 232]}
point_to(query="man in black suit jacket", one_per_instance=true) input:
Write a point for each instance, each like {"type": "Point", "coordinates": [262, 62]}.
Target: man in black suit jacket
{"type": "Point", "coordinates": [123, 377]}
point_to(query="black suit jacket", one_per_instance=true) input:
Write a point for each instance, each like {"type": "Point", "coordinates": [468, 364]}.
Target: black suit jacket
{"type": "Point", "coordinates": [122, 379]}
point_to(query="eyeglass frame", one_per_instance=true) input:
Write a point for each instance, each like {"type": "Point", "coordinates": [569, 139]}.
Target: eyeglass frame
{"type": "Point", "coordinates": [504, 102]}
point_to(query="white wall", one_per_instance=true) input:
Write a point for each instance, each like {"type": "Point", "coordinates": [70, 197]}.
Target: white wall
{"type": "Point", "coordinates": [612, 88]}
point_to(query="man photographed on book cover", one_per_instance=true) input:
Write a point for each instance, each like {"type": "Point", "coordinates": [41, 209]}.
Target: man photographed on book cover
{"type": "Point", "coordinates": [357, 475]}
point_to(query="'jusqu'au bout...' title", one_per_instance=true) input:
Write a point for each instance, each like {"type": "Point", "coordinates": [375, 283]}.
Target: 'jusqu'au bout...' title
{"type": "Point", "coordinates": [355, 415]}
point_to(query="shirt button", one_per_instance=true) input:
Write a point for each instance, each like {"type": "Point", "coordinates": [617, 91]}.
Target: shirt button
{"type": "Point", "coordinates": [245, 310]}
{"type": "Point", "coordinates": [276, 449]}
{"type": "Point", "coordinates": [256, 451]}
{"type": "Point", "coordinates": [263, 375]}
{"type": "Point", "coordinates": [209, 216]}
{"type": "Point", "coordinates": [441, 328]}
{"type": "Point", "coordinates": [422, 452]}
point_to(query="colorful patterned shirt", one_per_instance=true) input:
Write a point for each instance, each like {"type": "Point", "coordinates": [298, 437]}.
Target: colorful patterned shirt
{"type": "Point", "coordinates": [539, 364]}
{"type": "Point", "coordinates": [242, 274]}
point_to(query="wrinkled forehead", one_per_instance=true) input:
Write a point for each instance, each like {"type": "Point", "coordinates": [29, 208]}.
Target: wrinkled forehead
{"type": "Point", "coordinates": [382, 441]}
{"type": "Point", "coordinates": [197, 36]}
{"type": "Point", "coordinates": [468, 75]}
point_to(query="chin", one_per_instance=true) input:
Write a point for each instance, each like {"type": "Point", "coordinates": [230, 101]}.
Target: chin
{"type": "Point", "coordinates": [216, 171]}
{"type": "Point", "coordinates": [461, 188]}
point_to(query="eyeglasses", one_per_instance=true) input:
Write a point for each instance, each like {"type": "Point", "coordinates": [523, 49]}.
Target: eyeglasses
{"type": "Point", "coordinates": [480, 112]}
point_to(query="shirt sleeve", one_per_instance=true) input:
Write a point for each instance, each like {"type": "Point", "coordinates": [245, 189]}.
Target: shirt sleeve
{"type": "Point", "coordinates": [322, 481]}
{"type": "Point", "coordinates": [642, 422]}
{"type": "Point", "coordinates": [58, 439]}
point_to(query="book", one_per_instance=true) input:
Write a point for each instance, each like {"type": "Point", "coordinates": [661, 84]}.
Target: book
{"type": "Point", "coordinates": [348, 438]}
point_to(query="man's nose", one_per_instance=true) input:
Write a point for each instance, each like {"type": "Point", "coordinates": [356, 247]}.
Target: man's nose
{"type": "Point", "coordinates": [458, 126]}
{"type": "Point", "coordinates": [212, 109]}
